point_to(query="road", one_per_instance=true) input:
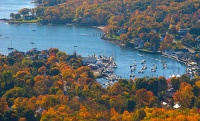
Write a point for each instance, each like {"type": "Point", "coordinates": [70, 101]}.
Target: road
{"type": "Point", "coordinates": [191, 50]}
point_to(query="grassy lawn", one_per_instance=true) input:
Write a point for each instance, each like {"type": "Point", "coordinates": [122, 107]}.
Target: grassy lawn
{"type": "Point", "coordinates": [112, 36]}
{"type": "Point", "coordinates": [145, 50]}
{"type": "Point", "coordinates": [28, 21]}
{"type": "Point", "coordinates": [31, 21]}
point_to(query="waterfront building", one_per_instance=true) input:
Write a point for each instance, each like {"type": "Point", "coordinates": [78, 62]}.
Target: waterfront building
{"type": "Point", "coordinates": [89, 60]}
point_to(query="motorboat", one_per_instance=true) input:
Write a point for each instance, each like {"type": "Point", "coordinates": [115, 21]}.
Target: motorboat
{"type": "Point", "coordinates": [132, 75]}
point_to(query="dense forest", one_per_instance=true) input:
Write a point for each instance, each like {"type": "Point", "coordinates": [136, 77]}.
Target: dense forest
{"type": "Point", "coordinates": [51, 85]}
{"type": "Point", "coordinates": [129, 21]}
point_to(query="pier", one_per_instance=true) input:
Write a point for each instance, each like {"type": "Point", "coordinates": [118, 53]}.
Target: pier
{"type": "Point", "coordinates": [102, 66]}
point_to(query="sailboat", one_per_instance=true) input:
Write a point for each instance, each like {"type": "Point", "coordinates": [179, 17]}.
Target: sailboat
{"type": "Point", "coordinates": [10, 48]}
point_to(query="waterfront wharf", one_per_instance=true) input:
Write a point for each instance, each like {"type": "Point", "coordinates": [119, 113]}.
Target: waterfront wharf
{"type": "Point", "coordinates": [104, 68]}
{"type": "Point", "coordinates": [175, 58]}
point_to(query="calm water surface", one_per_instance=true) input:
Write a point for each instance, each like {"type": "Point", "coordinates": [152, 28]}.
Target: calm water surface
{"type": "Point", "coordinates": [12, 6]}
{"type": "Point", "coordinates": [87, 40]}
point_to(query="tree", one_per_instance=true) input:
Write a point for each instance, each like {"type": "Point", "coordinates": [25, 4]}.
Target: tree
{"type": "Point", "coordinates": [17, 16]}
{"type": "Point", "coordinates": [162, 84]}
{"type": "Point", "coordinates": [144, 36]}
{"type": "Point", "coordinates": [168, 39]}
{"type": "Point", "coordinates": [29, 115]}
{"type": "Point", "coordinates": [119, 103]}
{"type": "Point", "coordinates": [114, 114]}
{"type": "Point", "coordinates": [126, 116]}
{"type": "Point", "coordinates": [3, 105]}
{"type": "Point", "coordinates": [21, 74]}
{"type": "Point", "coordinates": [140, 114]}
{"type": "Point", "coordinates": [7, 76]}
{"type": "Point", "coordinates": [54, 50]}
{"type": "Point", "coordinates": [50, 2]}
{"type": "Point", "coordinates": [188, 39]}
{"type": "Point", "coordinates": [124, 37]}
{"type": "Point", "coordinates": [24, 11]}
{"type": "Point", "coordinates": [83, 112]}
{"type": "Point", "coordinates": [176, 82]}
{"type": "Point", "coordinates": [18, 56]}
{"type": "Point", "coordinates": [143, 30]}
{"type": "Point", "coordinates": [162, 31]}
{"type": "Point", "coordinates": [55, 71]}
{"type": "Point", "coordinates": [153, 86]}
{"type": "Point", "coordinates": [11, 94]}
{"type": "Point", "coordinates": [19, 105]}
{"type": "Point", "coordinates": [144, 98]}
{"type": "Point", "coordinates": [48, 101]}
{"type": "Point", "coordinates": [52, 14]}
{"type": "Point", "coordinates": [179, 45]}
{"type": "Point", "coordinates": [164, 46]}
{"type": "Point", "coordinates": [196, 90]}
{"type": "Point", "coordinates": [50, 114]}
{"type": "Point", "coordinates": [141, 83]}
{"type": "Point", "coordinates": [51, 60]}
{"type": "Point", "coordinates": [38, 64]}
{"type": "Point", "coordinates": [2, 117]}
{"type": "Point", "coordinates": [184, 95]}
{"type": "Point", "coordinates": [61, 56]}
{"type": "Point", "coordinates": [27, 61]}
{"type": "Point", "coordinates": [197, 102]}
{"type": "Point", "coordinates": [12, 16]}
{"type": "Point", "coordinates": [131, 104]}
{"type": "Point", "coordinates": [155, 40]}
{"type": "Point", "coordinates": [39, 10]}
{"type": "Point", "coordinates": [10, 115]}
{"type": "Point", "coordinates": [147, 44]}
{"type": "Point", "coordinates": [42, 70]}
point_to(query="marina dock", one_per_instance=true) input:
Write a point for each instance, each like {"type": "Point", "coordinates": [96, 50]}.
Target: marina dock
{"type": "Point", "coordinates": [102, 66]}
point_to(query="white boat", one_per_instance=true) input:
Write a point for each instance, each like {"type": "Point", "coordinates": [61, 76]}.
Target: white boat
{"type": "Point", "coordinates": [132, 75]}
{"type": "Point", "coordinates": [141, 71]}
{"type": "Point", "coordinates": [133, 69]}
{"type": "Point", "coordinates": [114, 65]}
{"type": "Point", "coordinates": [164, 67]}
{"type": "Point", "coordinates": [108, 70]}
{"type": "Point", "coordinates": [144, 67]}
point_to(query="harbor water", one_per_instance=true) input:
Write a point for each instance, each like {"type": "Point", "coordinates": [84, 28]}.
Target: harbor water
{"type": "Point", "coordinates": [84, 40]}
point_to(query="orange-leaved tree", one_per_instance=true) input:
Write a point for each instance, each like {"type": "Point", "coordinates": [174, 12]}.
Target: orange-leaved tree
{"type": "Point", "coordinates": [184, 95]}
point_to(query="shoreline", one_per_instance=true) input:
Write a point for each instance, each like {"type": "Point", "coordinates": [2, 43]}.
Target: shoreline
{"type": "Point", "coordinates": [99, 27]}
{"type": "Point", "coordinates": [113, 41]}
{"type": "Point", "coordinates": [118, 43]}
{"type": "Point", "coordinates": [5, 20]}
